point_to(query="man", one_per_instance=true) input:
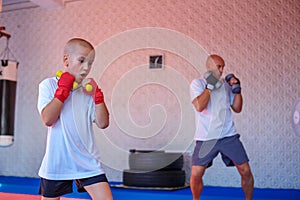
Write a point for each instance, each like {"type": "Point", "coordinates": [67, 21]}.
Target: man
{"type": "Point", "coordinates": [213, 99]}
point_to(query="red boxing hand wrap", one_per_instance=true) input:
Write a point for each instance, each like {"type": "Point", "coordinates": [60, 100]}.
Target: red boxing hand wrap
{"type": "Point", "coordinates": [98, 96]}
{"type": "Point", "coordinates": [61, 94]}
{"type": "Point", "coordinates": [96, 92]}
{"type": "Point", "coordinates": [65, 84]}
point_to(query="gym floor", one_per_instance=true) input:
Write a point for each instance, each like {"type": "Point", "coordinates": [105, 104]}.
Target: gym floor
{"type": "Point", "coordinates": [15, 188]}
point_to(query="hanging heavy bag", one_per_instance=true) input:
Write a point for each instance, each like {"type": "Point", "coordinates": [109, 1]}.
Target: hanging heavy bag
{"type": "Point", "coordinates": [8, 84]}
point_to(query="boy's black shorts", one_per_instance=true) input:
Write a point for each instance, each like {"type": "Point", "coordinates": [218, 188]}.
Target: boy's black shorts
{"type": "Point", "coordinates": [56, 188]}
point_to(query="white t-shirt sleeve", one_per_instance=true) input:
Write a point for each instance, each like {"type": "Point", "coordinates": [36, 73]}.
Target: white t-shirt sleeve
{"type": "Point", "coordinates": [196, 88]}
{"type": "Point", "coordinates": [46, 93]}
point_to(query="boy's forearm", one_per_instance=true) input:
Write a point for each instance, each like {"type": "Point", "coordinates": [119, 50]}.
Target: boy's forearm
{"type": "Point", "coordinates": [51, 112]}
{"type": "Point", "coordinates": [102, 115]}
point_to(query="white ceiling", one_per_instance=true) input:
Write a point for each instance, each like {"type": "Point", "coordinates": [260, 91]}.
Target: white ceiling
{"type": "Point", "coordinates": [12, 5]}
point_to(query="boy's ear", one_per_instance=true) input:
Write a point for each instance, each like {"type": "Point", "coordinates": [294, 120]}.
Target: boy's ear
{"type": "Point", "coordinates": [66, 60]}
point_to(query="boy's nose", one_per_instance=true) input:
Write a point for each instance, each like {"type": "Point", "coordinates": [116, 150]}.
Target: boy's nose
{"type": "Point", "coordinates": [85, 66]}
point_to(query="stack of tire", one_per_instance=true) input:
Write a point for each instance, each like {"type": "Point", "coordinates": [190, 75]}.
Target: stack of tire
{"type": "Point", "coordinates": [154, 169]}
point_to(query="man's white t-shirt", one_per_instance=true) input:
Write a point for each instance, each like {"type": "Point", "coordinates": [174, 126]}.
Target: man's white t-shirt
{"type": "Point", "coordinates": [70, 152]}
{"type": "Point", "coordinates": [215, 121]}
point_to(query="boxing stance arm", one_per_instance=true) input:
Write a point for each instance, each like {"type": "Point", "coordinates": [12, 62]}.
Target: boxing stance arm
{"type": "Point", "coordinates": [235, 84]}
{"type": "Point", "coordinates": [101, 111]}
{"type": "Point", "coordinates": [237, 103]}
{"type": "Point", "coordinates": [102, 115]}
{"type": "Point", "coordinates": [201, 101]}
{"type": "Point", "coordinates": [51, 112]}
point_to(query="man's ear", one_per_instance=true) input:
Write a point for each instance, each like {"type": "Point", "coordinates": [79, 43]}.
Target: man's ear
{"type": "Point", "coordinates": [66, 60]}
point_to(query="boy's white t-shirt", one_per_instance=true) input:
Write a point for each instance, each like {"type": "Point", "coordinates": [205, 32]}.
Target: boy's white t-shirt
{"type": "Point", "coordinates": [215, 121]}
{"type": "Point", "coordinates": [70, 152]}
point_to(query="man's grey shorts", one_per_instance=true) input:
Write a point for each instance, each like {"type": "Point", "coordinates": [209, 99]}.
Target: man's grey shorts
{"type": "Point", "coordinates": [230, 148]}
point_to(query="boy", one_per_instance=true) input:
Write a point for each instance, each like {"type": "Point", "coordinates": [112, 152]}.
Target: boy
{"type": "Point", "coordinates": [70, 152]}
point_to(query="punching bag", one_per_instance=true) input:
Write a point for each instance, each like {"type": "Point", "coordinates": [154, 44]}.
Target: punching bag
{"type": "Point", "coordinates": [8, 85]}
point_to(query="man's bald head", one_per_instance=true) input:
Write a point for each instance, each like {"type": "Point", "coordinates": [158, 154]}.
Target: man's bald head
{"type": "Point", "coordinates": [215, 64]}
{"type": "Point", "coordinates": [212, 60]}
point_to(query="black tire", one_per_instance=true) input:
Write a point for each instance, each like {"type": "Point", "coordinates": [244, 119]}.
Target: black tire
{"type": "Point", "coordinates": [143, 151]}
{"type": "Point", "coordinates": [154, 179]}
{"type": "Point", "coordinates": [154, 161]}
